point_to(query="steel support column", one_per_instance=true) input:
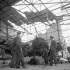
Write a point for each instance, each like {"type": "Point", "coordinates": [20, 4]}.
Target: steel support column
{"type": "Point", "coordinates": [58, 31]}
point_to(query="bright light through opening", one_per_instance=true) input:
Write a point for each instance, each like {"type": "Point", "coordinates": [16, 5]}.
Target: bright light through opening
{"type": "Point", "coordinates": [40, 27]}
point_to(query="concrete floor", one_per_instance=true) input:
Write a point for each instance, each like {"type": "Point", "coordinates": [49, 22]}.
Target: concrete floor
{"type": "Point", "coordinates": [64, 66]}
{"type": "Point", "coordinates": [40, 67]}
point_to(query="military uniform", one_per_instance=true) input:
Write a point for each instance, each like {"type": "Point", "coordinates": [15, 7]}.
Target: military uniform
{"type": "Point", "coordinates": [53, 52]}
{"type": "Point", "coordinates": [17, 54]}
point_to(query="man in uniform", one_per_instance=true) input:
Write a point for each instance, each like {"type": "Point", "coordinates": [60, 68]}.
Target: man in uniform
{"type": "Point", "coordinates": [53, 47]}
{"type": "Point", "coordinates": [17, 54]}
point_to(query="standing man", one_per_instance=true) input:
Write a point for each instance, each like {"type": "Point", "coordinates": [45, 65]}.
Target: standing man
{"type": "Point", "coordinates": [53, 47]}
{"type": "Point", "coordinates": [17, 54]}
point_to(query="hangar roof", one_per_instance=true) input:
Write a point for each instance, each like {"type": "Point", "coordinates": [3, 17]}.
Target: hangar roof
{"type": "Point", "coordinates": [7, 12]}
{"type": "Point", "coordinates": [31, 11]}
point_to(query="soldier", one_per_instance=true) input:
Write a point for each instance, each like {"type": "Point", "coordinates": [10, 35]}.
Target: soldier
{"type": "Point", "coordinates": [17, 54]}
{"type": "Point", "coordinates": [53, 47]}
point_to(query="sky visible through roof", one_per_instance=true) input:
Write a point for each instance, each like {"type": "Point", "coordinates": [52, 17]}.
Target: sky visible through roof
{"type": "Point", "coordinates": [57, 7]}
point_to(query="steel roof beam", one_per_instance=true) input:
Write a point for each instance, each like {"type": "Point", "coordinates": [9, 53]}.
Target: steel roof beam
{"type": "Point", "coordinates": [44, 3]}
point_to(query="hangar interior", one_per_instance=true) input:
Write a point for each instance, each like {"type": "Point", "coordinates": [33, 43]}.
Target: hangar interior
{"type": "Point", "coordinates": [35, 17]}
